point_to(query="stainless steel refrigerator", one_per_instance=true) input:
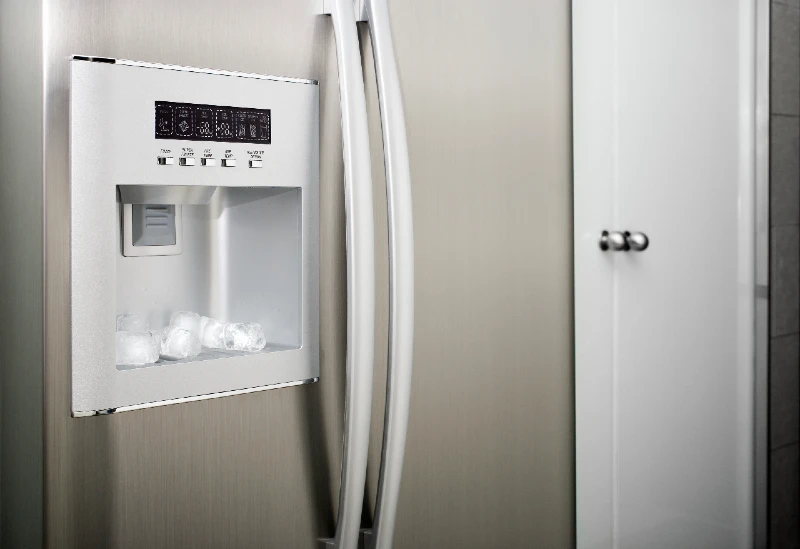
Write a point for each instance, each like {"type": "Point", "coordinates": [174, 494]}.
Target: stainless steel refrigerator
{"type": "Point", "coordinates": [257, 162]}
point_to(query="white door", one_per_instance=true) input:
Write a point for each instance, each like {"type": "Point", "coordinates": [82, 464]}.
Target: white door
{"type": "Point", "coordinates": [664, 145]}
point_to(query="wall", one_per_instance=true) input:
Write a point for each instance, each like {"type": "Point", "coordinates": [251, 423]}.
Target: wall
{"type": "Point", "coordinates": [785, 276]}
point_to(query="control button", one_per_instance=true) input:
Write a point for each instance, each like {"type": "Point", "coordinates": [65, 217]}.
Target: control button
{"type": "Point", "coordinates": [208, 161]}
{"type": "Point", "coordinates": [228, 162]}
{"type": "Point", "coordinates": [256, 163]}
{"type": "Point", "coordinates": [184, 161]}
{"type": "Point", "coordinates": [165, 161]}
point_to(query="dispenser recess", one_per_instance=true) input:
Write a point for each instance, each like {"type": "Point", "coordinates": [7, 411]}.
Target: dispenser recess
{"type": "Point", "coordinates": [191, 191]}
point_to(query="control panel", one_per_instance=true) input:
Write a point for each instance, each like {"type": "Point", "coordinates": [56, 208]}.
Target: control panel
{"type": "Point", "coordinates": [209, 158]}
{"type": "Point", "coordinates": [215, 124]}
{"type": "Point", "coordinates": [166, 125]}
{"type": "Point", "coordinates": [211, 123]}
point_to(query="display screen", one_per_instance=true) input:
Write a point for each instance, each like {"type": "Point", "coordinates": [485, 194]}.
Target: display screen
{"type": "Point", "coordinates": [212, 123]}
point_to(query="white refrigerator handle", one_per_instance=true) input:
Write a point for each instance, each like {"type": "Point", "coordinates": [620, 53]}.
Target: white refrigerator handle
{"type": "Point", "coordinates": [401, 275]}
{"type": "Point", "coordinates": [360, 275]}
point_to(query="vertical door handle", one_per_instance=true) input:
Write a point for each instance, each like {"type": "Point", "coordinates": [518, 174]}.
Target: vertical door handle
{"type": "Point", "coordinates": [401, 275]}
{"type": "Point", "coordinates": [360, 275]}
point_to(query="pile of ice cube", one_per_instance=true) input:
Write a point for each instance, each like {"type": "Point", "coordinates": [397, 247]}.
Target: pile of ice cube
{"type": "Point", "coordinates": [186, 334]}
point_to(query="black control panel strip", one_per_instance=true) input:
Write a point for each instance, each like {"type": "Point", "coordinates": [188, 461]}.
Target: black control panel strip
{"type": "Point", "coordinates": [192, 122]}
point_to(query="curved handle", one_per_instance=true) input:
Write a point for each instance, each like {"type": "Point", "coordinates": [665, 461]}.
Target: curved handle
{"type": "Point", "coordinates": [401, 275]}
{"type": "Point", "coordinates": [360, 275]}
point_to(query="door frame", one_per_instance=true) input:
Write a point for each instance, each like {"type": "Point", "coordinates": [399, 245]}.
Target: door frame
{"type": "Point", "coordinates": [762, 290]}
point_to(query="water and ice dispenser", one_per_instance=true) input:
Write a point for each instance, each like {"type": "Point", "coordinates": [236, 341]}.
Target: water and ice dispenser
{"type": "Point", "coordinates": [194, 233]}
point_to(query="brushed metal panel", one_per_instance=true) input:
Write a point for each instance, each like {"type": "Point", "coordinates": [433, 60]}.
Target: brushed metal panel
{"type": "Point", "coordinates": [489, 461]}
{"type": "Point", "coordinates": [21, 422]}
{"type": "Point", "coordinates": [247, 471]}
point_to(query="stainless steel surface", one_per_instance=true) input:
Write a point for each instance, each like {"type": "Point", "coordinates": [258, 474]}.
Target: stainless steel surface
{"type": "Point", "coordinates": [360, 240]}
{"type": "Point", "coordinates": [109, 411]}
{"type": "Point", "coordinates": [401, 277]}
{"type": "Point", "coordinates": [234, 472]}
{"type": "Point", "coordinates": [166, 194]}
{"type": "Point", "coordinates": [489, 455]}
{"type": "Point", "coordinates": [615, 241]}
{"type": "Point", "coordinates": [637, 242]}
{"type": "Point", "coordinates": [21, 268]}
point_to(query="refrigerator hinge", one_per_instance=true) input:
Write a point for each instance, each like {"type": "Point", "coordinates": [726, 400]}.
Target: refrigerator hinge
{"type": "Point", "coordinates": [364, 540]}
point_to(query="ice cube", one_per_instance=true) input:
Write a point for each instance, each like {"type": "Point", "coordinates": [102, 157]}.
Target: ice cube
{"type": "Point", "coordinates": [244, 337]}
{"type": "Point", "coordinates": [132, 323]}
{"type": "Point", "coordinates": [136, 348]}
{"type": "Point", "coordinates": [179, 343]}
{"type": "Point", "coordinates": [211, 329]}
{"type": "Point", "coordinates": [203, 321]}
{"type": "Point", "coordinates": [188, 321]}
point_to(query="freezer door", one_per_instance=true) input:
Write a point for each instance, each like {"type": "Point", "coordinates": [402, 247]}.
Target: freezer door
{"type": "Point", "coordinates": [250, 471]}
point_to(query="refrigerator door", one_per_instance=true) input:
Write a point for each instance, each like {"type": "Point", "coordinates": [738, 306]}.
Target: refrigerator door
{"type": "Point", "coordinates": [488, 461]}
{"type": "Point", "coordinates": [486, 95]}
{"type": "Point", "coordinates": [250, 471]}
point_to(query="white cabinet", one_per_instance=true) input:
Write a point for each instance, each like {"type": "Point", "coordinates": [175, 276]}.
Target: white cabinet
{"type": "Point", "coordinates": [664, 121]}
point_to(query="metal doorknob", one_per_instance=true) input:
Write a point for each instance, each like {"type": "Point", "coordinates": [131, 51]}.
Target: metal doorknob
{"type": "Point", "coordinates": [614, 241]}
{"type": "Point", "coordinates": [638, 242]}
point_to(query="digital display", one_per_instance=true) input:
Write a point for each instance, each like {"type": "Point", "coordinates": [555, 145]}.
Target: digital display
{"type": "Point", "coordinates": [212, 123]}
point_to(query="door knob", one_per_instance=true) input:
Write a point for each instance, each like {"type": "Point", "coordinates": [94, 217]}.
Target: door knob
{"type": "Point", "coordinates": [614, 241]}
{"type": "Point", "coordinates": [638, 242]}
